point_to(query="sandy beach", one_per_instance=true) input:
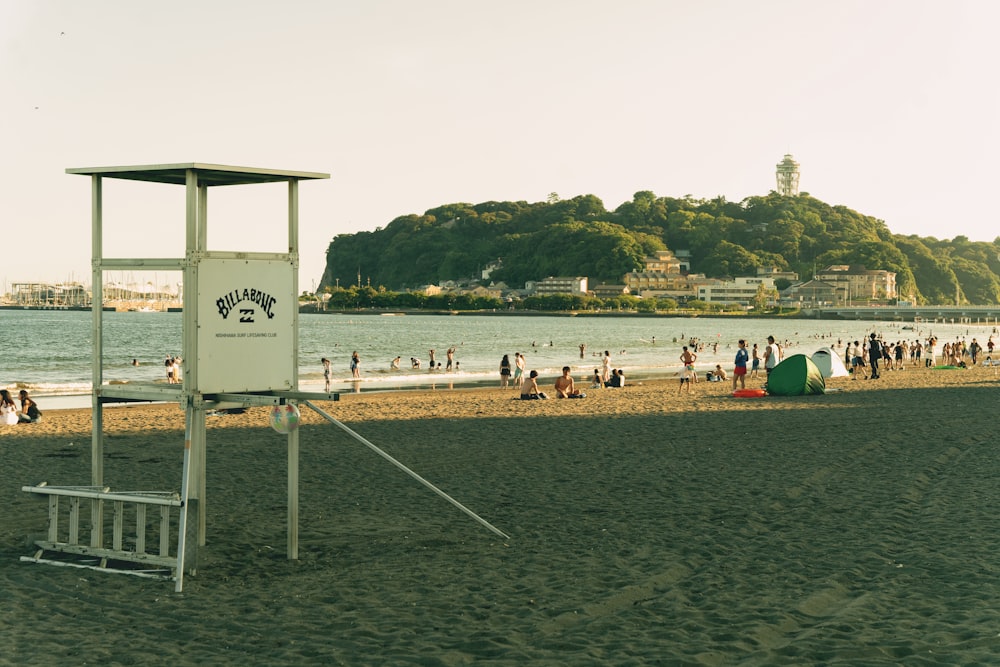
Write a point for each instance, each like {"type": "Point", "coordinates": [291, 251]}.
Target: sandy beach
{"type": "Point", "coordinates": [859, 527]}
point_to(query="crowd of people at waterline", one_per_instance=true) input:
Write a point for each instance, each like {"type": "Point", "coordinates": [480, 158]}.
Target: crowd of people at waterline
{"type": "Point", "coordinates": [865, 358]}
{"type": "Point", "coordinates": [24, 411]}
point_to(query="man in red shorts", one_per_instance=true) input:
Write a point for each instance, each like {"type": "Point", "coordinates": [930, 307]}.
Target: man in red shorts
{"type": "Point", "coordinates": [740, 365]}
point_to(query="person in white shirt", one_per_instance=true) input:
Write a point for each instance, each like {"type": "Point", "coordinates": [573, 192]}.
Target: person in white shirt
{"type": "Point", "coordinates": [8, 409]}
{"type": "Point", "coordinates": [772, 355]}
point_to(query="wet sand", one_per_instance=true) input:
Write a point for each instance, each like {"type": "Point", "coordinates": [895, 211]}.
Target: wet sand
{"type": "Point", "coordinates": [857, 527]}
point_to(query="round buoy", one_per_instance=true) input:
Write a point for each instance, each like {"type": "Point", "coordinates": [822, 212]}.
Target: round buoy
{"type": "Point", "coordinates": [284, 418]}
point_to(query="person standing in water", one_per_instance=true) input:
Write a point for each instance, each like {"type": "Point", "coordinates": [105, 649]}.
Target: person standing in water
{"type": "Point", "coordinates": [327, 372]}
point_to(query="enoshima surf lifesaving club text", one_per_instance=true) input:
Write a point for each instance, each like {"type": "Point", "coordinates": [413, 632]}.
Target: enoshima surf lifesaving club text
{"type": "Point", "coordinates": [246, 303]}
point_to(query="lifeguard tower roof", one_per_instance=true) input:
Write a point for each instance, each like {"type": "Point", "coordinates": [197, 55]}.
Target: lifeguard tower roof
{"type": "Point", "coordinates": [208, 174]}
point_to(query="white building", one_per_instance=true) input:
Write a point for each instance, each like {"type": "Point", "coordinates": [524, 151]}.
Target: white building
{"type": "Point", "coordinates": [860, 284]}
{"type": "Point", "coordinates": [740, 291]}
{"type": "Point", "coordinates": [562, 285]}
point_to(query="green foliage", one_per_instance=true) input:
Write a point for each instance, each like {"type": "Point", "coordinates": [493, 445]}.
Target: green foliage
{"type": "Point", "coordinates": [763, 298]}
{"type": "Point", "coordinates": [729, 259]}
{"type": "Point", "coordinates": [559, 302]}
{"type": "Point", "coordinates": [579, 237]}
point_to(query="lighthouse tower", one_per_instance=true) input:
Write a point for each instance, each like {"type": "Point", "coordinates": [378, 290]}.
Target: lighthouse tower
{"type": "Point", "coordinates": [788, 177]}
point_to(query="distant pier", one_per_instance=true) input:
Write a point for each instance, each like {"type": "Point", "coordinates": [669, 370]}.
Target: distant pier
{"type": "Point", "coordinates": [981, 315]}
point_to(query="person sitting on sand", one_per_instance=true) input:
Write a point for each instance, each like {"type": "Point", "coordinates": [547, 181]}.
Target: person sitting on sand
{"type": "Point", "coordinates": [565, 387]}
{"type": "Point", "coordinates": [529, 389]}
{"type": "Point", "coordinates": [8, 410]}
{"type": "Point", "coordinates": [719, 374]}
{"type": "Point", "coordinates": [617, 378]}
{"type": "Point", "coordinates": [596, 380]}
{"type": "Point", "coordinates": [29, 409]}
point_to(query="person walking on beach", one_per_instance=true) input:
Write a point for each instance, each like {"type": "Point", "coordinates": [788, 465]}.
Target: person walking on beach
{"type": "Point", "coordinates": [874, 356]}
{"type": "Point", "coordinates": [168, 364]}
{"type": "Point", "coordinates": [974, 349]}
{"type": "Point", "coordinates": [687, 372]}
{"type": "Point", "coordinates": [740, 365]}
{"type": "Point", "coordinates": [505, 371]}
{"type": "Point", "coordinates": [327, 373]}
{"type": "Point", "coordinates": [518, 369]}
{"type": "Point", "coordinates": [857, 361]}
{"type": "Point", "coordinates": [29, 409]}
{"type": "Point", "coordinates": [8, 410]}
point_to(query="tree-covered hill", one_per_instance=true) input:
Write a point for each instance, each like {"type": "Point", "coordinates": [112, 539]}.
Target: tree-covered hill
{"type": "Point", "coordinates": [580, 237]}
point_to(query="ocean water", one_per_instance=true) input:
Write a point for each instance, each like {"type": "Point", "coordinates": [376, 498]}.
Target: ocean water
{"type": "Point", "coordinates": [49, 352]}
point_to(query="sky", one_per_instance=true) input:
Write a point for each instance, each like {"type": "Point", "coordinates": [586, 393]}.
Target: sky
{"type": "Point", "coordinates": [890, 107]}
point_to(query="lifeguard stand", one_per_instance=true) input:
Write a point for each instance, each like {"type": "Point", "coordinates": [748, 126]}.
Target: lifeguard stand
{"type": "Point", "coordinates": [236, 306]}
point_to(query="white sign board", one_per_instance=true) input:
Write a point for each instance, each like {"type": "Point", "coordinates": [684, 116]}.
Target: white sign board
{"type": "Point", "coordinates": [246, 334]}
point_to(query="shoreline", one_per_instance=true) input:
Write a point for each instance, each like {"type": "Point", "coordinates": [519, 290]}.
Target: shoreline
{"type": "Point", "coordinates": [429, 383]}
{"type": "Point", "coordinates": [665, 382]}
{"type": "Point", "coordinates": [444, 383]}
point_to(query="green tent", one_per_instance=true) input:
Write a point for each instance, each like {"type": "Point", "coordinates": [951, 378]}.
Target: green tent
{"type": "Point", "coordinates": [796, 375]}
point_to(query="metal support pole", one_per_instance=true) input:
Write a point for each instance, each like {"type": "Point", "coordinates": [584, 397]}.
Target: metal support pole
{"type": "Point", "coordinates": [182, 519]}
{"type": "Point", "coordinates": [97, 339]}
{"type": "Point", "coordinates": [293, 437]}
